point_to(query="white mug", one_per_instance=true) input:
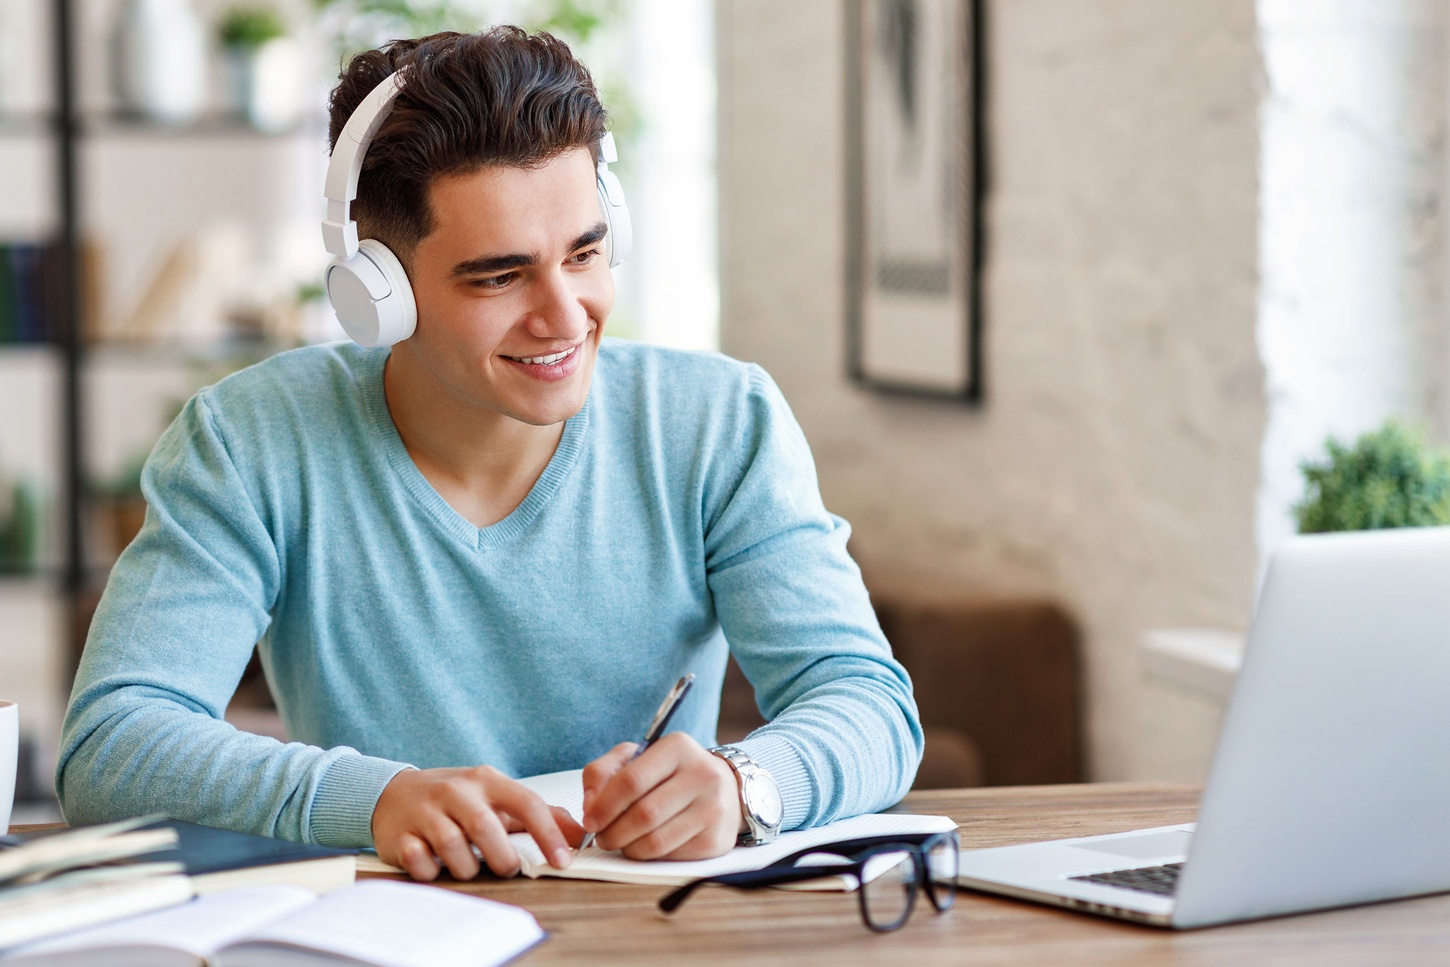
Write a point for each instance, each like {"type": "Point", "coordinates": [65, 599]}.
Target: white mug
{"type": "Point", "coordinates": [9, 756]}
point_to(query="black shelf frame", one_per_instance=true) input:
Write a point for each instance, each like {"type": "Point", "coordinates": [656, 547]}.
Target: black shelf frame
{"type": "Point", "coordinates": [66, 322]}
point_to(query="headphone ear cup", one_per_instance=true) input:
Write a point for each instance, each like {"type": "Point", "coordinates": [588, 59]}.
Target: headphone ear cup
{"type": "Point", "coordinates": [616, 215]}
{"type": "Point", "coordinates": [372, 296]}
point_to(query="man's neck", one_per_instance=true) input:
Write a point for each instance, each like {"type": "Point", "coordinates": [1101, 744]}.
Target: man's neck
{"type": "Point", "coordinates": [482, 462]}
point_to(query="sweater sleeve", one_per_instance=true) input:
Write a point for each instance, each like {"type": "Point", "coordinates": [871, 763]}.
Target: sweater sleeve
{"type": "Point", "coordinates": [184, 606]}
{"type": "Point", "coordinates": [843, 736]}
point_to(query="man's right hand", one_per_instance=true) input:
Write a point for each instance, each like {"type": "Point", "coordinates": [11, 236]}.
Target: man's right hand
{"type": "Point", "coordinates": [428, 815]}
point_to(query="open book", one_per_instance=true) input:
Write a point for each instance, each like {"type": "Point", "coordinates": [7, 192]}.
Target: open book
{"type": "Point", "coordinates": [378, 923]}
{"type": "Point", "coordinates": [566, 789]}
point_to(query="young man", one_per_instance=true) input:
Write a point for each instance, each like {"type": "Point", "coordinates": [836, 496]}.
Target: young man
{"type": "Point", "coordinates": [488, 551]}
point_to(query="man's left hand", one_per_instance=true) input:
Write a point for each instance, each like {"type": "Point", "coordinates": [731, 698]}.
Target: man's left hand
{"type": "Point", "coordinates": [677, 801]}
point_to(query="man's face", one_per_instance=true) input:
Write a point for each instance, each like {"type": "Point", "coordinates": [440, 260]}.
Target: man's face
{"type": "Point", "coordinates": [513, 288]}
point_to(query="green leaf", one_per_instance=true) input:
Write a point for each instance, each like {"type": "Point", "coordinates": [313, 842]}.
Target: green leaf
{"type": "Point", "coordinates": [1389, 477]}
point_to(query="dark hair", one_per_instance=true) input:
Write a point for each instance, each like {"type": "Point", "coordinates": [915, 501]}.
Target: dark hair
{"type": "Point", "coordinates": [500, 97]}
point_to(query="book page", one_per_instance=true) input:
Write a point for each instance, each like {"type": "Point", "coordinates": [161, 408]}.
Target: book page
{"type": "Point", "coordinates": [195, 929]}
{"type": "Point", "coordinates": [560, 789]}
{"type": "Point", "coordinates": [395, 925]}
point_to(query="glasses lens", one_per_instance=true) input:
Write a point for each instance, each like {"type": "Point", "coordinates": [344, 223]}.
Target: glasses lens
{"type": "Point", "coordinates": [889, 890]}
{"type": "Point", "coordinates": [941, 871]}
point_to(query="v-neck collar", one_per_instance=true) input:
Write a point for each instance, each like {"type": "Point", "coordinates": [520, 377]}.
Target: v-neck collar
{"type": "Point", "coordinates": [571, 443]}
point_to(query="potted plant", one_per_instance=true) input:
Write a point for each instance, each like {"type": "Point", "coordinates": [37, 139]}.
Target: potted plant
{"type": "Point", "coordinates": [1389, 477]}
{"type": "Point", "coordinates": [159, 51]}
{"type": "Point", "coordinates": [264, 65]}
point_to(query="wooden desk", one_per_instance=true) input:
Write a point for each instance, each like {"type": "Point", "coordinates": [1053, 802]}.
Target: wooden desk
{"type": "Point", "coordinates": [610, 923]}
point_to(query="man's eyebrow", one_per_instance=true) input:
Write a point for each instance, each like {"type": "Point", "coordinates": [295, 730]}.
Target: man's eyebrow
{"type": "Point", "coordinates": [594, 236]}
{"type": "Point", "coordinates": [502, 263]}
{"type": "Point", "coordinates": [492, 263]}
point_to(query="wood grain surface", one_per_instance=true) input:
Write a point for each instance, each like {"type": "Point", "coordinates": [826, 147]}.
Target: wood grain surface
{"type": "Point", "coordinates": [609, 923]}
{"type": "Point", "coordinates": [612, 923]}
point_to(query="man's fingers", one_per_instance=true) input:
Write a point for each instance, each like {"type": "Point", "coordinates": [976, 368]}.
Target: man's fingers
{"type": "Point", "coordinates": [657, 839]}
{"type": "Point", "coordinates": [573, 832]}
{"type": "Point", "coordinates": [598, 773]}
{"type": "Point", "coordinates": [416, 856]}
{"type": "Point", "coordinates": [452, 845]}
{"type": "Point", "coordinates": [706, 845]}
{"type": "Point", "coordinates": [485, 830]}
{"type": "Point", "coordinates": [661, 804]}
{"type": "Point", "coordinates": [629, 784]}
{"type": "Point", "coordinates": [458, 816]}
{"type": "Point", "coordinates": [539, 820]}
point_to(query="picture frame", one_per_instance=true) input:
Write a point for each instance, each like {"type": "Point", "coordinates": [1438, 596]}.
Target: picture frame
{"type": "Point", "coordinates": [915, 182]}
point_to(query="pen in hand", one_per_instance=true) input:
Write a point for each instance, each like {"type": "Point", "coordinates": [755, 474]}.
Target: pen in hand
{"type": "Point", "coordinates": [656, 729]}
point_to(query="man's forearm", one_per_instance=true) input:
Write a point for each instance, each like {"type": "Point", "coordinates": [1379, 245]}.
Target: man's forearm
{"type": "Point", "coordinates": [130, 751]}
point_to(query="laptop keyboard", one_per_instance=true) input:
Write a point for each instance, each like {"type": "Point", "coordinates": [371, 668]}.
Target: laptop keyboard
{"type": "Point", "coordinates": [1162, 880]}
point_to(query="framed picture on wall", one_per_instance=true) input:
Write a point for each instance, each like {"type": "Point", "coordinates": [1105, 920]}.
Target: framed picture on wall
{"type": "Point", "coordinates": [914, 184]}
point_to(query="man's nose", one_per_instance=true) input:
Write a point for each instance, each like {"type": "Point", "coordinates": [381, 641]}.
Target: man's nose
{"type": "Point", "coordinates": [558, 311]}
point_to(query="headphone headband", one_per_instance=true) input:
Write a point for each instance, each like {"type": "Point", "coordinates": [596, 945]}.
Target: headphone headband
{"type": "Point", "coordinates": [339, 231]}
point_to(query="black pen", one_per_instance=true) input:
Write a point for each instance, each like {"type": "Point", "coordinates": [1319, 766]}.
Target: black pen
{"type": "Point", "coordinates": [656, 729]}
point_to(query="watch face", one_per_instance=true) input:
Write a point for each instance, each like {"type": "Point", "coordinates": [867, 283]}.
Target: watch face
{"type": "Point", "coordinates": [764, 799]}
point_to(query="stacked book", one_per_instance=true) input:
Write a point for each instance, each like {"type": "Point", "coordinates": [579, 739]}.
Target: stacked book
{"type": "Point", "coordinates": [52, 882]}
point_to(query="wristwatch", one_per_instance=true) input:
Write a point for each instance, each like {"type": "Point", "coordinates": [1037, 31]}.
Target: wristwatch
{"type": "Point", "coordinates": [759, 797]}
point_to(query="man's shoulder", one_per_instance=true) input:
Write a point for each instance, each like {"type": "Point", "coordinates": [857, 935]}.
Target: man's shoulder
{"type": "Point", "coordinates": [697, 409]}
{"type": "Point", "coordinates": [296, 380]}
{"type": "Point", "coordinates": [676, 376]}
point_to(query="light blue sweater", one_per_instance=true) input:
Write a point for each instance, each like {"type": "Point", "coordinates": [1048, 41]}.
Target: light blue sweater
{"type": "Point", "coordinates": [680, 512]}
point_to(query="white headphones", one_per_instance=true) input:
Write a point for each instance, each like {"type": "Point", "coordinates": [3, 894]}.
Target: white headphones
{"type": "Point", "coordinates": [365, 281]}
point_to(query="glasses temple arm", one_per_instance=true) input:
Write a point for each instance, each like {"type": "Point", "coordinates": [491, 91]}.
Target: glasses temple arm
{"type": "Point", "coordinates": [769, 876]}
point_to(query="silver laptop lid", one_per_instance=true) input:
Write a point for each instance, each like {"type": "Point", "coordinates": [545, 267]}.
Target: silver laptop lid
{"type": "Point", "coordinates": [1331, 781]}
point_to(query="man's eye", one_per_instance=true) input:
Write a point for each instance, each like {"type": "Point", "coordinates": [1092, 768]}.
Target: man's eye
{"type": "Point", "coordinates": [585, 257]}
{"type": "Point", "coordinates": [493, 281]}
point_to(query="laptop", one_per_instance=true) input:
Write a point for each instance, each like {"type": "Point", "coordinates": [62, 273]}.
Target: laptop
{"type": "Point", "coordinates": [1330, 784]}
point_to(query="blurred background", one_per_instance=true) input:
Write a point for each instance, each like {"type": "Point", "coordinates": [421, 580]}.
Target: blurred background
{"type": "Point", "coordinates": [1184, 244]}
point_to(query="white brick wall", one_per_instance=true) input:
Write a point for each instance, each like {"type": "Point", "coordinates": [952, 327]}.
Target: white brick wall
{"type": "Point", "coordinates": [1116, 462]}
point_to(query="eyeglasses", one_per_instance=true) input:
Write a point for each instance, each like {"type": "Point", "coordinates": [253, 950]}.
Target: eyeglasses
{"type": "Point", "coordinates": [888, 872]}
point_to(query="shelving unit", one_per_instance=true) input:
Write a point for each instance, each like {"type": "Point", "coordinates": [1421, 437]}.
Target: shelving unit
{"type": "Point", "coordinates": [80, 408]}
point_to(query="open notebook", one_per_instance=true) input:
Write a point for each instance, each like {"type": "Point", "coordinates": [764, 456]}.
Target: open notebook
{"type": "Point", "coordinates": [566, 789]}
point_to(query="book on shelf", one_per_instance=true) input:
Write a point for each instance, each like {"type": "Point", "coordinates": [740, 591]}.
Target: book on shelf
{"type": "Point", "coordinates": [379, 922]}
{"type": "Point", "coordinates": [566, 789]}
{"type": "Point", "coordinates": [33, 290]}
{"type": "Point", "coordinates": [91, 874]}
{"type": "Point", "coordinates": [24, 313]}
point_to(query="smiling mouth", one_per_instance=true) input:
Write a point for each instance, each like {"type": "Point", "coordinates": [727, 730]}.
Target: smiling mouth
{"type": "Point", "coordinates": [549, 360]}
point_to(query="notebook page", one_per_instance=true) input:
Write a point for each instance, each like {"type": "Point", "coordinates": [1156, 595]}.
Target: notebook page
{"type": "Point", "coordinates": [560, 789]}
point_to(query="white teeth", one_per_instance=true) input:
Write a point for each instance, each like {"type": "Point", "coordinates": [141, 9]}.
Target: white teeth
{"type": "Point", "coordinates": [543, 360]}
